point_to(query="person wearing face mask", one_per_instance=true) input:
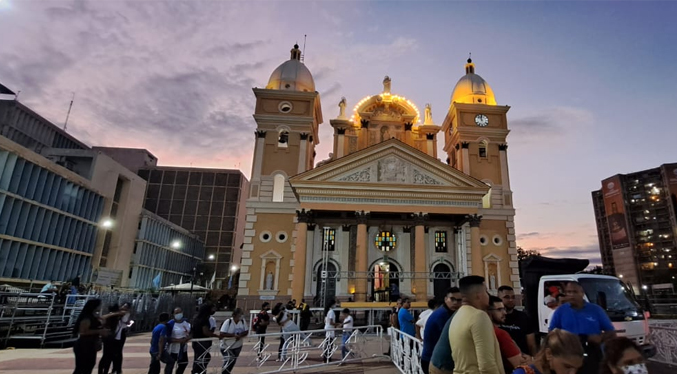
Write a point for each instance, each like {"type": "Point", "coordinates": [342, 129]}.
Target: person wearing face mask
{"type": "Point", "coordinates": [561, 353]}
{"type": "Point", "coordinates": [622, 356]}
{"type": "Point", "coordinates": [178, 335]}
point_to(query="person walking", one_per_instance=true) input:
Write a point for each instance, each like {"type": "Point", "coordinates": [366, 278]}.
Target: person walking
{"type": "Point", "coordinates": [178, 331]}
{"type": "Point", "coordinates": [260, 326]}
{"type": "Point", "coordinates": [517, 323]}
{"type": "Point", "coordinates": [474, 347]}
{"type": "Point", "coordinates": [89, 330]}
{"type": "Point", "coordinates": [287, 326]}
{"type": "Point", "coordinates": [329, 335]}
{"type": "Point", "coordinates": [437, 328]}
{"type": "Point", "coordinates": [589, 321]}
{"type": "Point", "coordinates": [232, 332]}
{"type": "Point", "coordinates": [201, 329]}
{"type": "Point", "coordinates": [157, 345]}
{"type": "Point", "coordinates": [561, 353]}
{"type": "Point", "coordinates": [347, 324]}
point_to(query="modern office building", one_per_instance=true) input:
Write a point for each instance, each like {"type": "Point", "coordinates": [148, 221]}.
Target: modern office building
{"type": "Point", "coordinates": [131, 158]}
{"type": "Point", "coordinates": [49, 218]}
{"type": "Point", "coordinates": [163, 250]}
{"type": "Point", "coordinates": [124, 193]}
{"type": "Point", "coordinates": [25, 127]}
{"type": "Point", "coordinates": [636, 225]}
{"type": "Point", "coordinates": [206, 202]}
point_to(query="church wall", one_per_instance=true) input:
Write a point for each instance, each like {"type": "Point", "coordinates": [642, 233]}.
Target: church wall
{"type": "Point", "coordinates": [278, 158]}
{"type": "Point", "coordinates": [299, 107]}
{"type": "Point", "coordinates": [497, 244]}
{"type": "Point", "coordinates": [488, 168]}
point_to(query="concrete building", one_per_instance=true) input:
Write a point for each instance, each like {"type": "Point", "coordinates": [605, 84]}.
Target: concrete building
{"type": "Point", "coordinates": [49, 218]}
{"type": "Point", "coordinates": [124, 193]}
{"type": "Point", "coordinates": [131, 158]}
{"type": "Point", "coordinates": [27, 128]}
{"type": "Point", "coordinates": [636, 226]}
{"type": "Point", "coordinates": [382, 217]}
{"type": "Point", "coordinates": [207, 202]}
{"type": "Point", "coordinates": [163, 249]}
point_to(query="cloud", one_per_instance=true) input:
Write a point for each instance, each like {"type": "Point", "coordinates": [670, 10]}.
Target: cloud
{"type": "Point", "coordinates": [550, 123]}
{"type": "Point", "coordinates": [590, 252]}
{"type": "Point", "coordinates": [528, 235]}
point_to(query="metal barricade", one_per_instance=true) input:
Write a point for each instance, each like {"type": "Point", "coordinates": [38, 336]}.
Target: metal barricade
{"type": "Point", "coordinates": [405, 352]}
{"type": "Point", "coordinates": [664, 337]}
{"type": "Point", "coordinates": [299, 350]}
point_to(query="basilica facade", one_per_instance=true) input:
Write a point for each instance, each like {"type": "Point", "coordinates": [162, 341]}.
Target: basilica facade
{"type": "Point", "coordinates": [383, 217]}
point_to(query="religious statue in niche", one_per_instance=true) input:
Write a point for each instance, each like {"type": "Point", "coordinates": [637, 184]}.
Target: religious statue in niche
{"type": "Point", "coordinates": [385, 133]}
{"type": "Point", "coordinates": [492, 268]}
{"type": "Point", "coordinates": [342, 108]}
{"type": "Point", "coordinates": [269, 281]}
{"type": "Point", "coordinates": [269, 275]}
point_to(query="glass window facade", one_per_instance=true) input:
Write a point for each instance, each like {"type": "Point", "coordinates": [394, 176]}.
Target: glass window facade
{"type": "Point", "coordinates": [202, 201]}
{"type": "Point", "coordinates": [48, 224]}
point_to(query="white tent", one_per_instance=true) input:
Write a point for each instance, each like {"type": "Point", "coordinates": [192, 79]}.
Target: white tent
{"type": "Point", "coordinates": [9, 288]}
{"type": "Point", "coordinates": [184, 287]}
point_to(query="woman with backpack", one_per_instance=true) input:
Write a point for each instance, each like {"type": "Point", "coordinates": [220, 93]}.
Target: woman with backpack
{"type": "Point", "coordinates": [233, 330]}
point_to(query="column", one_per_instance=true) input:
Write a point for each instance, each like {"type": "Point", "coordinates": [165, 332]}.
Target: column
{"type": "Point", "coordinates": [465, 157]}
{"type": "Point", "coordinates": [364, 133]}
{"type": "Point", "coordinates": [362, 249]}
{"type": "Point", "coordinates": [303, 153]}
{"type": "Point", "coordinates": [299, 279]}
{"type": "Point", "coordinates": [340, 142]}
{"type": "Point", "coordinates": [475, 247]}
{"type": "Point", "coordinates": [420, 265]}
{"type": "Point", "coordinates": [505, 179]}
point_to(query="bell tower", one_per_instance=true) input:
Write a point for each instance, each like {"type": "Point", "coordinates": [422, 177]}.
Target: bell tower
{"type": "Point", "coordinates": [287, 115]}
{"type": "Point", "coordinates": [475, 132]}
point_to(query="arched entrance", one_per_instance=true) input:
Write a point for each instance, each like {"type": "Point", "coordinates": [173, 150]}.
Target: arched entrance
{"type": "Point", "coordinates": [330, 282]}
{"type": "Point", "coordinates": [385, 285]}
{"type": "Point", "coordinates": [441, 283]}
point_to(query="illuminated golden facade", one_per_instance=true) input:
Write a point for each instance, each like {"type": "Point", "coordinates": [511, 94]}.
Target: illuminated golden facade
{"type": "Point", "coordinates": [383, 217]}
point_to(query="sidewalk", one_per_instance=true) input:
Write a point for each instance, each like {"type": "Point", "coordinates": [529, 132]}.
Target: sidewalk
{"type": "Point", "coordinates": [136, 359]}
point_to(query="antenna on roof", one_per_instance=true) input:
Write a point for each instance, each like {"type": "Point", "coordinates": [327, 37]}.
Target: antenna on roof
{"type": "Point", "coordinates": [303, 53]}
{"type": "Point", "coordinates": [65, 124]}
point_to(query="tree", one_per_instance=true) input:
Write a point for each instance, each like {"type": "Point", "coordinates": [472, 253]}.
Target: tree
{"type": "Point", "coordinates": [523, 254]}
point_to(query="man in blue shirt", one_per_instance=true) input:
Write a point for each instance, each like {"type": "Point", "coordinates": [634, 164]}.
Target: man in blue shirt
{"type": "Point", "coordinates": [405, 318]}
{"type": "Point", "coordinates": [436, 323]}
{"type": "Point", "coordinates": [589, 321]}
{"type": "Point", "coordinates": [157, 343]}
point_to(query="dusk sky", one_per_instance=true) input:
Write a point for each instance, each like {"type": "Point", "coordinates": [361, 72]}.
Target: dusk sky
{"type": "Point", "coordinates": [591, 85]}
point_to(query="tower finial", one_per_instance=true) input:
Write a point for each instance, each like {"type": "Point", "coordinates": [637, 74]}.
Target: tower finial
{"type": "Point", "coordinates": [296, 53]}
{"type": "Point", "coordinates": [386, 84]}
{"type": "Point", "coordinates": [469, 57]}
{"type": "Point", "coordinates": [469, 66]}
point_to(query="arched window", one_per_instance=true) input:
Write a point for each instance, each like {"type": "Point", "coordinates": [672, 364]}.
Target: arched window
{"type": "Point", "coordinates": [278, 188]}
{"type": "Point", "coordinates": [283, 139]}
{"type": "Point", "coordinates": [483, 149]}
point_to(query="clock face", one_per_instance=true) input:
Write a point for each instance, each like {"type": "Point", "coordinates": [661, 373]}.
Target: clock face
{"type": "Point", "coordinates": [481, 120]}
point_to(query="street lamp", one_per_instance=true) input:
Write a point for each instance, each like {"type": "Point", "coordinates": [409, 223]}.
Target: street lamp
{"type": "Point", "coordinates": [176, 244]}
{"type": "Point", "coordinates": [233, 268]}
{"type": "Point", "coordinates": [107, 223]}
{"type": "Point", "coordinates": [211, 257]}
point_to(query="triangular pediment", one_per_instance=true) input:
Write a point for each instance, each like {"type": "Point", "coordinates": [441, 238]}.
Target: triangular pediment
{"type": "Point", "coordinates": [388, 174]}
{"type": "Point", "coordinates": [390, 162]}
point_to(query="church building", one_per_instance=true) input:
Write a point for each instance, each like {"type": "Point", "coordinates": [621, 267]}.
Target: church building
{"type": "Point", "coordinates": [383, 217]}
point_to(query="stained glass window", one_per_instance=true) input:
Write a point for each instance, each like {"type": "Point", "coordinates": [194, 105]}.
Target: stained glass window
{"type": "Point", "coordinates": [440, 241]}
{"type": "Point", "coordinates": [385, 241]}
{"type": "Point", "coordinates": [328, 239]}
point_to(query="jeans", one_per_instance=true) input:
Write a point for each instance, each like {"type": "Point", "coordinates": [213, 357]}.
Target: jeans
{"type": "Point", "coordinates": [344, 346]}
{"type": "Point", "coordinates": [201, 357]}
{"type": "Point", "coordinates": [85, 356]}
{"type": "Point", "coordinates": [229, 358]}
{"type": "Point", "coordinates": [180, 359]}
{"type": "Point", "coordinates": [425, 366]}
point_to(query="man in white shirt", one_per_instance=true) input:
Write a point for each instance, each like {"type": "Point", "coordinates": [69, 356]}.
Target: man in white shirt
{"type": "Point", "coordinates": [233, 331]}
{"type": "Point", "coordinates": [347, 331]}
{"type": "Point", "coordinates": [423, 318]}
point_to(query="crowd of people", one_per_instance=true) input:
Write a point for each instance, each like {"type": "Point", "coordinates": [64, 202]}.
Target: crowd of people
{"type": "Point", "coordinates": [473, 332]}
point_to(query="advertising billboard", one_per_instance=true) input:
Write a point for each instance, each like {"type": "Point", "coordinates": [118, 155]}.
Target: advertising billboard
{"type": "Point", "coordinates": [615, 212]}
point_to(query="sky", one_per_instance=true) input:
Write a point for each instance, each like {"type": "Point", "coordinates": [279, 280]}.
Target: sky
{"type": "Point", "coordinates": [590, 84]}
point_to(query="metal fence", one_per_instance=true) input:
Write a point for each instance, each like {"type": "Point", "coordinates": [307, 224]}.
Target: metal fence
{"type": "Point", "coordinates": [405, 352]}
{"type": "Point", "coordinates": [664, 337]}
{"type": "Point", "coordinates": [292, 351]}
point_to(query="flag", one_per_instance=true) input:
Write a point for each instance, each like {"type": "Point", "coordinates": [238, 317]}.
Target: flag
{"type": "Point", "coordinates": [156, 280]}
{"type": "Point", "coordinates": [230, 282]}
{"type": "Point", "coordinates": [211, 282]}
{"type": "Point", "coordinates": [181, 280]}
